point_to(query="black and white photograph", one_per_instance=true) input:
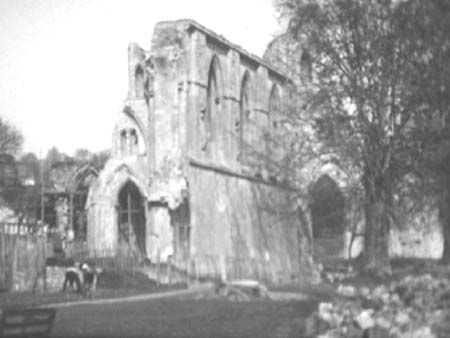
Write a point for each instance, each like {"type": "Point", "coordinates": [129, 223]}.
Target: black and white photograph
{"type": "Point", "coordinates": [229, 169]}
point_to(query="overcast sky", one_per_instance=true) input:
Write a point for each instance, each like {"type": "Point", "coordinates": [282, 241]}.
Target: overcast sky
{"type": "Point", "coordinates": [63, 63]}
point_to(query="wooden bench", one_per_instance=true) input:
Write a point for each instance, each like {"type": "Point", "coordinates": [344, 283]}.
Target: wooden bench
{"type": "Point", "coordinates": [26, 322]}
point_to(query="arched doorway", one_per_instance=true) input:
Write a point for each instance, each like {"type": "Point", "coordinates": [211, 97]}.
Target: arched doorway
{"type": "Point", "coordinates": [78, 190]}
{"type": "Point", "coordinates": [131, 217]}
{"type": "Point", "coordinates": [328, 217]}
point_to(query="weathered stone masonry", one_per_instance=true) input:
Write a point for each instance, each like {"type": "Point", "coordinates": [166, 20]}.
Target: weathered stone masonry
{"type": "Point", "coordinates": [184, 180]}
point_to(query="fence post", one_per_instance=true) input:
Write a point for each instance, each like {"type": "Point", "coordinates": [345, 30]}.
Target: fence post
{"type": "Point", "coordinates": [45, 277]}
{"type": "Point", "coordinates": [132, 264]}
{"type": "Point", "coordinates": [14, 261]}
{"type": "Point", "coordinates": [169, 269]}
{"type": "Point", "coordinates": [2, 261]}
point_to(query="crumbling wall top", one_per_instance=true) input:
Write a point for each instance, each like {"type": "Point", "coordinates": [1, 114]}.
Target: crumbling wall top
{"type": "Point", "coordinates": [167, 33]}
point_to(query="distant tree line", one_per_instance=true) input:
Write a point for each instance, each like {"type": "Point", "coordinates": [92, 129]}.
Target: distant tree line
{"type": "Point", "coordinates": [23, 177]}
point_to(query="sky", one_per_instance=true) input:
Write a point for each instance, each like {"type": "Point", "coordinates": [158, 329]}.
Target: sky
{"type": "Point", "coordinates": [63, 63]}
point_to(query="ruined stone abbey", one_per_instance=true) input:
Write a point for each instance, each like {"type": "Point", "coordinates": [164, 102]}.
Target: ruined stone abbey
{"type": "Point", "coordinates": [196, 170]}
{"type": "Point", "coordinates": [187, 179]}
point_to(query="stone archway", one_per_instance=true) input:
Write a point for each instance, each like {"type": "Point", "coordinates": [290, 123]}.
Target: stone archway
{"type": "Point", "coordinates": [131, 219]}
{"type": "Point", "coordinates": [327, 205]}
{"type": "Point", "coordinates": [78, 190]}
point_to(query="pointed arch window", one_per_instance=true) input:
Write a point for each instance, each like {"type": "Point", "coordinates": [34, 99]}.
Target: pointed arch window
{"type": "Point", "coordinates": [327, 208]}
{"type": "Point", "coordinates": [123, 141]}
{"type": "Point", "coordinates": [129, 141]}
{"type": "Point", "coordinates": [273, 142]}
{"type": "Point", "coordinates": [139, 78]}
{"type": "Point", "coordinates": [244, 131]}
{"type": "Point", "coordinates": [210, 131]}
{"type": "Point", "coordinates": [274, 107]}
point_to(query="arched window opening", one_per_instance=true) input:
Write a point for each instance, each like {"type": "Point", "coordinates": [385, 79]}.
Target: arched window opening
{"type": "Point", "coordinates": [327, 208]}
{"type": "Point", "coordinates": [123, 142]}
{"type": "Point", "coordinates": [211, 114]}
{"type": "Point", "coordinates": [305, 67]}
{"type": "Point", "coordinates": [78, 190]}
{"type": "Point", "coordinates": [131, 218]}
{"type": "Point", "coordinates": [244, 125]}
{"type": "Point", "coordinates": [129, 141]}
{"type": "Point", "coordinates": [327, 204]}
{"type": "Point", "coordinates": [133, 142]}
{"type": "Point", "coordinates": [274, 141]}
{"type": "Point", "coordinates": [274, 107]}
{"type": "Point", "coordinates": [213, 99]}
{"type": "Point", "coordinates": [139, 82]}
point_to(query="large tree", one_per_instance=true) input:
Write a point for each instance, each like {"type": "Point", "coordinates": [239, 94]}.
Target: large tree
{"type": "Point", "coordinates": [372, 95]}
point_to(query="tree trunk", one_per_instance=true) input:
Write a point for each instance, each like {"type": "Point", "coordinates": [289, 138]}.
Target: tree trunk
{"type": "Point", "coordinates": [444, 219]}
{"type": "Point", "coordinates": [376, 239]}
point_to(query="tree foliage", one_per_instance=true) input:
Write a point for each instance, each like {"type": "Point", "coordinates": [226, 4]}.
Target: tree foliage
{"type": "Point", "coordinates": [10, 138]}
{"type": "Point", "coordinates": [12, 192]}
{"type": "Point", "coordinates": [380, 92]}
{"type": "Point", "coordinates": [10, 143]}
{"type": "Point", "coordinates": [95, 159]}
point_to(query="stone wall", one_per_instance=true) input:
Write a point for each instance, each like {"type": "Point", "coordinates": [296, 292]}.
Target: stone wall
{"type": "Point", "coordinates": [420, 236]}
{"type": "Point", "coordinates": [251, 226]}
{"type": "Point", "coordinates": [192, 131]}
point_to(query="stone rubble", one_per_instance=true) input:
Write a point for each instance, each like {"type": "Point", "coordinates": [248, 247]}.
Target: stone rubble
{"type": "Point", "coordinates": [242, 290]}
{"type": "Point", "coordinates": [413, 307]}
{"type": "Point", "coordinates": [336, 274]}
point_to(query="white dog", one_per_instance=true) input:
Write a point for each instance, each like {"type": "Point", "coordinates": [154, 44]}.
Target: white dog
{"type": "Point", "coordinates": [90, 278]}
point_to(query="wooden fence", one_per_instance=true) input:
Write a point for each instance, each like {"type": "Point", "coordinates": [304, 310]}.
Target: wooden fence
{"type": "Point", "coordinates": [22, 260]}
{"type": "Point", "coordinates": [23, 254]}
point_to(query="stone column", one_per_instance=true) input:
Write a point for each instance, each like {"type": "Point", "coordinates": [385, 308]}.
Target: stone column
{"type": "Point", "coordinates": [159, 233]}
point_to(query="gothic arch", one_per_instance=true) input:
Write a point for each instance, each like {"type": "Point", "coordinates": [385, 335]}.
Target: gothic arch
{"type": "Point", "coordinates": [78, 190]}
{"type": "Point", "coordinates": [329, 208]}
{"type": "Point", "coordinates": [212, 119]}
{"type": "Point", "coordinates": [131, 217]}
{"type": "Point", "coordinates": [327, 204]}
{"type": "Point", "coordinates": [139, 81]}
{"type": "Point", "coordinates": [331, 169]}
{"type": "Point", "coordinates": [131, 121]}
{"type": "Point", "coordinates": [122, 174]}
{"type": "Point", "coordinates": [216, 68]}
{"type": "Point", "coordinates": [244, 125]}
{"type": "Point", "coordinates": [102, 204]}
{"type": "Point", "coordinates": [83, 179]}
{"type": "Point", "coordinates": [82, 173]}
{"type": "Point", "coordinates": [273, 139]}
{"type": "Point", "coordinates": [274, 106]}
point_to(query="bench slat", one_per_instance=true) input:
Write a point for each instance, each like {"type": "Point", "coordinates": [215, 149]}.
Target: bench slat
{"type": "Point", "coordinates": [28, 322]}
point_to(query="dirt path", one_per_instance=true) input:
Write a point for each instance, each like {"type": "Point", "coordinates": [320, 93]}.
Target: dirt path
{"type": "Point", "coordinates": [128, 299]}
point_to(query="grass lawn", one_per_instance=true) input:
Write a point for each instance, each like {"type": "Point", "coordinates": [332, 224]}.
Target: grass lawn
{"type": "Point", "coordinates": [186, 317]}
